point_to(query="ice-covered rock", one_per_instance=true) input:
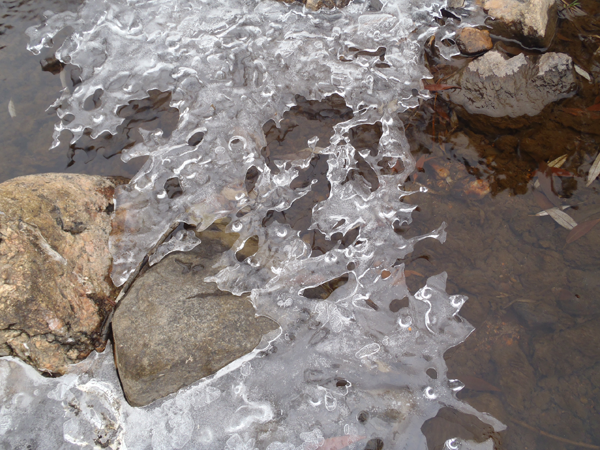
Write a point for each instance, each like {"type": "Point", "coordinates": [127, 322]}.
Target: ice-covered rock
{"type": "Point", "coordinates": [498, 86]}
{"type": "Point", "coordinates": [55, 293]}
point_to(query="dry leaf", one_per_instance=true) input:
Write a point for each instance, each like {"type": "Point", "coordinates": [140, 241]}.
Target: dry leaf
{"type": "Point", "coordinates": [558, 162]}
{"type": "Point", "coordinates": [545, 212]}
{"type": "Point", "coordinates": [562, 218]}
{"type": "Point", "coordinates": [340, 442]}
{"type": "Point", "coordinates": [594, 171]}
{"type": "Point", "coordinates": [11, 109]}
{"type": "Point", "coordinates": [582, 72]}
{"type": "Point", "coordinates": [581, 230]}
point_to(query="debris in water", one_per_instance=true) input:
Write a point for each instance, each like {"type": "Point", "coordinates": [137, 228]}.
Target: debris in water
{"type": "Point", "coordinates": [594, 170]}
{"type": "Point", "coordinates": [11, 109]}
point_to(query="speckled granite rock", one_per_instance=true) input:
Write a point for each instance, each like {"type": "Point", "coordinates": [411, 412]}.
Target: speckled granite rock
{"type": "Point", "coordinates": [172, 328]}
{"type": "Point", "coordinates": [55, 293]}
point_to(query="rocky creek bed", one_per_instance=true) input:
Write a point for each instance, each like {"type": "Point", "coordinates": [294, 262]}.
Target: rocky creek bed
{"type": "Point", "coordinates": [497, 115]}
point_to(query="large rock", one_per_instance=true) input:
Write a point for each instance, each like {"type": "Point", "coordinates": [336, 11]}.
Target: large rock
{"type": "Point", "coordinates": [55, 293]}
{"type": "Point", "coordinates": [533, 22]}
{"type": "Point", "coordinates": [173, 328]}
{"type": "Point", "coordinates": [497, 86]}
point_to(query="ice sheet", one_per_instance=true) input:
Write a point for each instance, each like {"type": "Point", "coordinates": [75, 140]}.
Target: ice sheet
{"type": "Point", "coordinates": [337, 367]}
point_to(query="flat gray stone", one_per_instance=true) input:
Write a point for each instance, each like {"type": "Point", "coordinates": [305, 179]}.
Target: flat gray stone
{"type": "Point", "coordinates": [172, 328]}
{"type": "Point", "coordinates": [497, 86]}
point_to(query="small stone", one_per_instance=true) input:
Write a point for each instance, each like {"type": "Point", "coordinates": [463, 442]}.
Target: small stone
{"type": "Point", "coordinates": [173, 328]}
{"type": "Point", "coordinates": [472, 41]}
{"type": "Point", "coordinates": [498, 86]}
{"type": "Point", "coordinates": [532, 22]}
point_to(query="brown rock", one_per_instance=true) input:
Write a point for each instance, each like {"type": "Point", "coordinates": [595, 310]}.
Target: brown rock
{"type": "Point", "coordinates": [471, 41]}
{"type": "Point", "coordinates": [54, 262]}
{"type": "Point", "coordinates": [173, 328]}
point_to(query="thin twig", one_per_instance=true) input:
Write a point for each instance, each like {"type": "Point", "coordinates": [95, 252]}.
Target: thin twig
{"type": "Point", "coordinates": [558, 438]}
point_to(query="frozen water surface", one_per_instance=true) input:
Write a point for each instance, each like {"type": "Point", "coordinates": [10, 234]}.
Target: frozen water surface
{"type": "Point", "coordinates": [340, 372]}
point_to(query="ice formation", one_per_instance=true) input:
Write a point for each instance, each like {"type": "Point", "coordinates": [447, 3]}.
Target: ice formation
{"type": "Point", "coordinates": [338, 367]}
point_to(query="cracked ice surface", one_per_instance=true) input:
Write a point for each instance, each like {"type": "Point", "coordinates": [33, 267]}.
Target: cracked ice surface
{"type": "Point", "coordinates": [232, 66]}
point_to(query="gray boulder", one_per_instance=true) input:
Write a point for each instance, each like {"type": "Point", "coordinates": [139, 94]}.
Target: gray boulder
{"type": "Point", "coordinates": [497, 86]}
{"type": "Point", "coordinates": [173, 328]}
{"type": "Point", "coordinates": [55, 293]}
{"type": "Point", "coordinates": [533, 22]}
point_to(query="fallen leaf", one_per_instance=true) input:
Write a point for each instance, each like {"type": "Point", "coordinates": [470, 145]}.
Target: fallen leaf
{"type": "Point", "coordinates": [477, 384]}
{"type": "Point", "coordinates": [545, 212]}
{"type": "Point", "coordinates": [558, 162]}
{"type": "Point", "coordinates": [439, 87]}
{"type": "Point", "coordinates": [594, 171]}
{"type": "Point", "coordinates": [11, 109]}
{"type": "Point", "coordinates": [562, 218]}
{"type": "Point", "coordinates": [582, 72]}
{"type": "Point", "coordinates": [560, 172]}
{"type": "Point", "coordinates": [340, 442]}
{"type": "Point", "coordinates": [581, 230]}
{"type": "Point", "coordinates": [594, 108]}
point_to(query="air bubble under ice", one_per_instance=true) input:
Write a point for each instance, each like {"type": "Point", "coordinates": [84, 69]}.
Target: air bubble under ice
{"type": "Point", "coordinates": [231, 66]}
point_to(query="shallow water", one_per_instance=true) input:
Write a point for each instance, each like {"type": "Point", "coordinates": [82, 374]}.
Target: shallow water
{"type": "Point", "coordinates": [533, 360]}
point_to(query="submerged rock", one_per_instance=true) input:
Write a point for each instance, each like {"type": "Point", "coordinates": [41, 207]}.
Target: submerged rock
{"type": "Point", "coordinates": [55, 293]}
{"type": "Point", "coordinates": [533, 22]}
{"type": "Point", "coordinates": [496, 86]}
{"type": "Point", "coordinates": [172, 328]}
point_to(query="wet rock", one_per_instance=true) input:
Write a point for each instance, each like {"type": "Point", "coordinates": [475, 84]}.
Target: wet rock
{"type": "Point", "coordinates": [55, 293]}
{"type": "Point", "coordinates": [533, 22]}
{"type": "Point", "coordinates": [173, 328]}
{"type": "Point", "coordinates": [496, 86]}
{"type": "Point", "coordinates": [472, 41]}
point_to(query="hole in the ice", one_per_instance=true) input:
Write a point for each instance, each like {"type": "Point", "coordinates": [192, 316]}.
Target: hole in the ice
{"type": "Point", "coordinates": [390, 166]}
{"type": "Point", "coordinates": [324, 290]}
{"type": "Point", "coordinates": [150, 113]}
{"type": "Point", "coordinates": [195, 138]}
{"type": "Point", "coordinates": [397, 304]}
{"type": "Point", "coordinates": [173, 188]}
{"type": "Point", "coordinates": [250, 248]}
{"type": "Point", "coordinates": [342, 383]}
{"type": "Point", "coordinates": [372, 304]}
{"type": "Point", "coordinates": [242, 212]}
{"type": "Point", "coordinates": [431, 373]}
{"type": "Point", "coordinates": [375, 5]}
{"type": "Point", "coordinates": [374, 444]}
{"type": "Point", "coordinates": [385, 274]}
{"type": "Point", "coordinates": [251, 178]}
{"type": "Point", "coordinates": [457, 318]}
{"type": "Point", "coordinates": [363, 417]}
{"type": "Point", "coordinates": [351, 266]}
{"type": "Point", "coordinates": [93, 101]}
{"type": "Point", "coordinates": [339, 224]}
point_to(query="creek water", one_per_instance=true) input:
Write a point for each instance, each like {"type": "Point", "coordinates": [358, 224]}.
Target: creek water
{"type": "Point", "coordinates": [533, 360]}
